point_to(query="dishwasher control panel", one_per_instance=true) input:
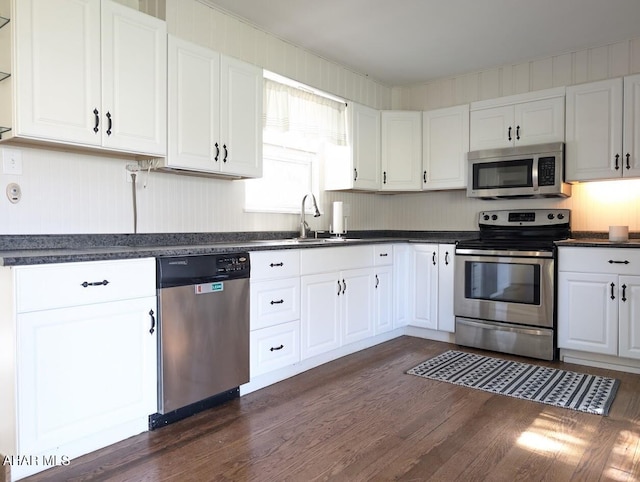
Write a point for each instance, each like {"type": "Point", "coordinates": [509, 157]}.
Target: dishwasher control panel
{"type": "Point", "coordinates": [197, 269]}
{"type": "Point", "coordinates": [232, 263]}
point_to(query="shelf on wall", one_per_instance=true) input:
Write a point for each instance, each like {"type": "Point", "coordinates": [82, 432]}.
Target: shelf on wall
{"type": "Point", "coordinates": [3, 21]}
{"type": "Point", "coordinates": [3, 130]}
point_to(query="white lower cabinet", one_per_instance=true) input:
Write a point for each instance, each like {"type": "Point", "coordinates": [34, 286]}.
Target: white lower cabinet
{"type": "Point", "coordinates": [431, 286]}
{"type": "Point", "coordinates": [274, 310]}
{"type": "Point", "coordinates": [599, 300]}
{"type": "Point", "coordinates": [345, 306]}
{"type": "Point", "coordinates": [80, 371]}
{"type": "Point", "coordinates": [83, 371]}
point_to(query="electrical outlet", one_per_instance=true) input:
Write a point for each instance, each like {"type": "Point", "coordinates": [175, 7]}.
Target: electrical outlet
{"type": "Point", "coordinates": [11, 161]}
{"type": "Point", "coordinates": [14, 193]}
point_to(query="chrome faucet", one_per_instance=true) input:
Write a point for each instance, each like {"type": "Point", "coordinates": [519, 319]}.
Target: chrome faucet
{"type": "Point", "coordinates": [304, 227]}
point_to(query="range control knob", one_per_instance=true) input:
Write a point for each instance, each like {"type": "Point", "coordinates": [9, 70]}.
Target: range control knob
{"type": "Point", "coordinates": [494, 217]}
{"type": "Point", "coordinates": [550, 216]}
{"type": "Point", "coordinates": [560, 216]}
{"type": "Point", "coordinates": [485, 217]}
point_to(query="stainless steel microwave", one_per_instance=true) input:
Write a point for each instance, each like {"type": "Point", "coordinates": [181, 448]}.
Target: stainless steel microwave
{"type": "Point", "coordinates": [524, 171]}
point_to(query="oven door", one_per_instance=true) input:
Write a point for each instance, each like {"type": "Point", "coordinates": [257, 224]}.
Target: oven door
{"type": "Point", "coordinates": [505, 286]}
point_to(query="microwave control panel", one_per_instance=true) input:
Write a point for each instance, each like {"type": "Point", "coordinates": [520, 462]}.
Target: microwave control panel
{"type": "Point", "coordinates": [546, 171]}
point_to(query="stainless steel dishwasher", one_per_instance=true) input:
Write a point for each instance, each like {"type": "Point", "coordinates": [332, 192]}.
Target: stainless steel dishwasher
{"type": "Point", "coordinates": [203, 333]}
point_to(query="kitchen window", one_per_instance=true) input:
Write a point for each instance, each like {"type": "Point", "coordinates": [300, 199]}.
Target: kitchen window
{"type": "Point", "coordinates": [297, 122]}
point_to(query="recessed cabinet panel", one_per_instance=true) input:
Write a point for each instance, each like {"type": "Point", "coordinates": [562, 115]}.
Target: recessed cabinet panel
{"type": "Point", "coordinates": [631, 138]}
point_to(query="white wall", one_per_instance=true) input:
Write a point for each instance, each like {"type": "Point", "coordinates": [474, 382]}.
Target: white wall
{"type": "Point", "coordinates": [67, 192]}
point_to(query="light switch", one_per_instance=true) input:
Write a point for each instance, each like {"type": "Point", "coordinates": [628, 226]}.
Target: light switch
{"type": "Point", "coordinates": [11, 161]}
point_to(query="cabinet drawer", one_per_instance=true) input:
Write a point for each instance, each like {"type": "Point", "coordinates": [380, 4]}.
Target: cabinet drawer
{"type": "Point", "coordinates": [275, 264]}
{"type": "Point", "coordinates": [76, 284]}
{"type": "Point", "coordinates": [599, 260]}
{"type": "Point", "coordinates": [275, 347]}
{"type": "Point", "coordinates": [383, 254]}
{"type": "Point", "coordinates": [274, 302]}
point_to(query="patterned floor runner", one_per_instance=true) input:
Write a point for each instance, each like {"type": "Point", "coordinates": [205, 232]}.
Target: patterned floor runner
{"type": "Point", "coordinates": [577, 391]}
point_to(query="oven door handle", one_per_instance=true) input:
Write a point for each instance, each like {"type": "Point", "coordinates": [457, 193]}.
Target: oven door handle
{"type": "Point", "coordinates": [502, 253]}
{"type": "Point", "coordinates": [534, 175]}
{"type": "Point", "coordinates": [490, 325]}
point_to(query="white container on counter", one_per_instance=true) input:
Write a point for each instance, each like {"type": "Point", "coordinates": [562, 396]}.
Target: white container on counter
{"type": "Point", "coordinates": [619, 233]}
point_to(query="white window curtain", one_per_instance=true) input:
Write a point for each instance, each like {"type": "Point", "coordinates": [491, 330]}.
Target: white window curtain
{"type": "Point", "coordinates": [303, 114]}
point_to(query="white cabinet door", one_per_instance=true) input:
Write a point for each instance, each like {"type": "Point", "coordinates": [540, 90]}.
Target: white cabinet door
{"type": "Point", "coordinates": [401, 150]}
{"type": "Point", "coordinates": [320, 317]}
{"type": "Point", "coordinates": [491, 128]}
{"type": "Point", "coordinates": [240, 118]}
{"type": "Point", "coordinates": [587, 314]}
{"type": "Point", "coordinates": [83, 371]}
{"type": "Point", "coordinates": [629, 302]}
{"type": "Point", "coordinates": [58, 67]}
{"type": "Point", "coordinates": [539, 122]}
{"type": "Point", "coordinates": [445, 143]}
{"type": "Point", "coordinates": [365, 145]}
{"type": "Point", "coordinates": [356, 166]}
{"type": "Point", "coordinates": [194, 107]}
{"type": "Point", "coordinates": [134, 85]}
{"type": "Point", "coordinates": [446, 258]}
{"type": "Point", "coordinates": [424, 303]}
{"type": "Point", "coordinates": [594, 131]}
{"type": "Point", "coordinates": [383, 299]}
{"type": "Point", "coordinates": [357, 304]}
{"type": "Point", "coordinates": [631, 140]}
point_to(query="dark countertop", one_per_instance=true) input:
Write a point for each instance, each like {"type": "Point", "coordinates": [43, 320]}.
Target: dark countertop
{"type": "Point", "coordinates": [20, 250]}
{"type": "Point", "coordinates": [599, 243]}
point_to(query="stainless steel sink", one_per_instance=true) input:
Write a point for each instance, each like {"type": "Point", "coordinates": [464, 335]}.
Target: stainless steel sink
{"type": "Point", "coordinates": [304, 241]}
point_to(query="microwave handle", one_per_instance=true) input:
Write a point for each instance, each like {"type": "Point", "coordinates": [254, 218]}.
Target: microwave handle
{"type": "Point", "coordinates": [534, 174]}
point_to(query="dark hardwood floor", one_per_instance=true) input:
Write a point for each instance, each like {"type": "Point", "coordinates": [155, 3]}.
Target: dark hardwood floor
{"type": "Point", "coordinates": [362, 418]}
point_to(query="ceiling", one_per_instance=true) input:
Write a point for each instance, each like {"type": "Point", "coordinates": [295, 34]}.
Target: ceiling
{"type": "Point", "coordinates": [402, 42]}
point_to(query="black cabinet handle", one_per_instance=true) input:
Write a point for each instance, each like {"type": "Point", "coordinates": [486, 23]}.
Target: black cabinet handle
{"type": "Point", "coordinates": [217, 152]}
{"type": "Point", "coordinates": [377, 281]}
{"type": "Point", "coordinates": [279, 302]}
{"type": "Point", "coordinates": [276, 348]}
{"type": "Point", "coordinates": [384, 177]}
{"type": "Point", "coordinates": [613, 296]}
{"type": "Point", "coordinates": [617, 163]}
{"type": "Point", "coordinates": [384, 255]}
{"type": "Point", "coordinates": [433, 258]}
{"type": "Point", "coordinates": [344, 287]}
{"type": "Point", "coordinates": [446, 258]}
{"type": "Point", "coordinates": [424, 176]}
{"type": "Point", "coordinates": [611, 261]}
{"type": "Point", "coordinates": [226, 152]}
{"type": "Point", "coordinates": [339, 288]}
{"type": "Point", "coordinates": [276, 265]}
{"type": "Point", "coordinates": [110, 124]}
{"type": "Point", "coordinates": [153, 322]}
{"type": "Point", "coordinates": [624, 292]}
{"type": "Point", "coordinates": [628, 166]}
{"type": "Point", "coordinates": [355, 174]}
{"type": "Point", "coordinates": [509, 133]}
{"type": "Point", "coordinates": [96, 114]}
{"type": "Point", "coordinates": [518, 133]}
{"type": "Point", "coordinates": [85, 284]}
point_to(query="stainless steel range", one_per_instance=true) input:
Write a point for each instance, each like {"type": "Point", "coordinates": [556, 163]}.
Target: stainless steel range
{"type": "Point", "coordinates": [505, 289]}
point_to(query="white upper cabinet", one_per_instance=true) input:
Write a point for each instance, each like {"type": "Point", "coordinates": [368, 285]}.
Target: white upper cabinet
{"type": "Point", "coordinates": [631, 136]}
{"type": "Point", "coordinates": [445, 143]}
{"type": "Point", "coordinates": [89, 73]}
{"type": "Point", "coordinates": [401, 150]}
{"type": "Point", "coordinates": [357, 166]}
{"type": "Point", "coordinates": [525, 119]}
{"type": "Point", "coordinates": [215, 112]}
{"type": "Point", "coordinates": [603, 130]}
{"type": "Point", "coordinates": [594, 130]}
